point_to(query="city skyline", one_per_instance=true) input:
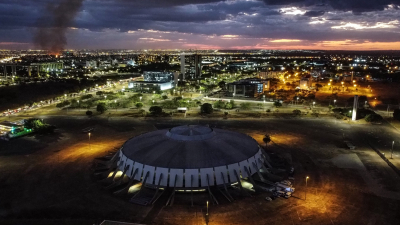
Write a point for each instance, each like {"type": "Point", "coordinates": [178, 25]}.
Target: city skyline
{"type": "Point", "coordinates": [200, 24]}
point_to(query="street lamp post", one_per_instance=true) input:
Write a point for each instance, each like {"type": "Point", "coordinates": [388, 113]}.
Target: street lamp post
{"type": "Point", "coordinates": [334, 102]}
{"type": "Point", "coordinates": [306, 188]}
{"type": "Point", "coordinates": [140, 98]}
{"type": "Point", "coordinates": [89, 143]}
{"type": "Point", "coordinates": [79, 108]}
{"type": "Point", "coordinates": [115, 101]}
{"type": "Point", "coordinates": [391, 154]}
{"type": "Point", "coordinates": [313, 104]}
{"type": "Point", "coordinates": [207, 209]}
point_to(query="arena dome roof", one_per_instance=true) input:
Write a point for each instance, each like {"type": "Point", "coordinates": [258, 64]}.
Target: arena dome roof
{"type": "Point", "coordinates": [185, 153]}
{"type": "Point", "coordinates": [189, 147]}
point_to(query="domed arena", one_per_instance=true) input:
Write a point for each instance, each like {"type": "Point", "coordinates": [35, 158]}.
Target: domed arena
{"type": "Point", "coordinates": [189, 158]}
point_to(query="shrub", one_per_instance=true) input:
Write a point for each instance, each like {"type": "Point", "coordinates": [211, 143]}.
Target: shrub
{"type": "Point", "coordinates": [296, 112]}
{"type": "Point", "coordinates": [89, 113]}
{"type": "Point", "coordinates": [142, 111]}
{"type": "Point", "coordinates": [219, 104]}
{"type": "Point", "coordinates": [277, 104]}
{"type": "Point", "coordinates": [164, 97]}
{"type": "Point", "coordinates": [139, 105]}
{"type": "Point", "coordinates": [245, 105]}
{"type": "Point", "coordinates": [338, 116]}
{"type": "Point", "coordinates": [228, 105]}
{"type": "Point", "coordinates": [268, 110]}
{"type": "Point", "coordinates": [373, 118]}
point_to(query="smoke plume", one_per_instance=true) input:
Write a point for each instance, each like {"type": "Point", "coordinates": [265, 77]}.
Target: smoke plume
{"type": "Point", "coordinates": [53, 24]}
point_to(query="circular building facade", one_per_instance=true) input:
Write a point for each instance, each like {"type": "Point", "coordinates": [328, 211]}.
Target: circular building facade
{"type": "Point", "coordinates": [190, 157]}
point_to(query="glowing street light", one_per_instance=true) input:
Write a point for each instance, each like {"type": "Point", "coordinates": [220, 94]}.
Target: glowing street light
{"type": "Point", "coordinates": [141, 97]}
{"type": "Point", "coordinates": [105, 96]}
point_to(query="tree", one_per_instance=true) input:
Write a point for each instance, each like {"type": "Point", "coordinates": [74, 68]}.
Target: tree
{"type": "Point", "coordinates": [266, 139]}
{"type": "Point", "coordinates": [155, 110]}
{"type": "Point", "coordinates": [206, 108]}
{"type": "Point", "coordinates": [101, 107]}
{"type": "Point", "coordinates": [139, 105]}
{"type": "Point", "coordinates": [277, 104]}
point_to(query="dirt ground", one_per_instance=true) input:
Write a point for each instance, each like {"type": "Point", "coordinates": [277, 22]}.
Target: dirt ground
{"type": "Point", "coordinates": [48, 179]}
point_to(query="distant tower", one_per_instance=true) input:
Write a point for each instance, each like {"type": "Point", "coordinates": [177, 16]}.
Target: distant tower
{"type": "Point", "coordinates": [183, 66]}
{"type": "Point", "coordinates": [355, 106]}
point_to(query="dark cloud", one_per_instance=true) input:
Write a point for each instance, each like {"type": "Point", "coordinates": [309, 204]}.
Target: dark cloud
{"type": "Point", "coordinates": [202, 18]}
{"type": "Point", "coordinates": [52, 26]}
{"type": "Point", "coordinates": [158, 3]}
{"type": "Point", "coordinates": [356, 6]}
{"type": "Point", "coordinates": [314, 13]}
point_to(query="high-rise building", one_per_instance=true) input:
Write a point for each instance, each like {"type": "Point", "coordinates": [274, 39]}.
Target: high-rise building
{"type": "Point", "coordinates": [183, 69]}
{"type": "Point", "coordinates": [194, 62]}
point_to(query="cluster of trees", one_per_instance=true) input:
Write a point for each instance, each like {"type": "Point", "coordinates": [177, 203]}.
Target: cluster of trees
{"type": "Point", "coordinates": [179, 102]}
{"type": "Point", "coordinates": [85, 97]}
{"type": "Point", "coordinates": [37, 125]}
{"type": "Point", "coordinates": [63, 104]}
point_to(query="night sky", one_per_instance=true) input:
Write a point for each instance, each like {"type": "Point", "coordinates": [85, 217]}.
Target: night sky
{"type": "Point", "coordinates": [202, 24]}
